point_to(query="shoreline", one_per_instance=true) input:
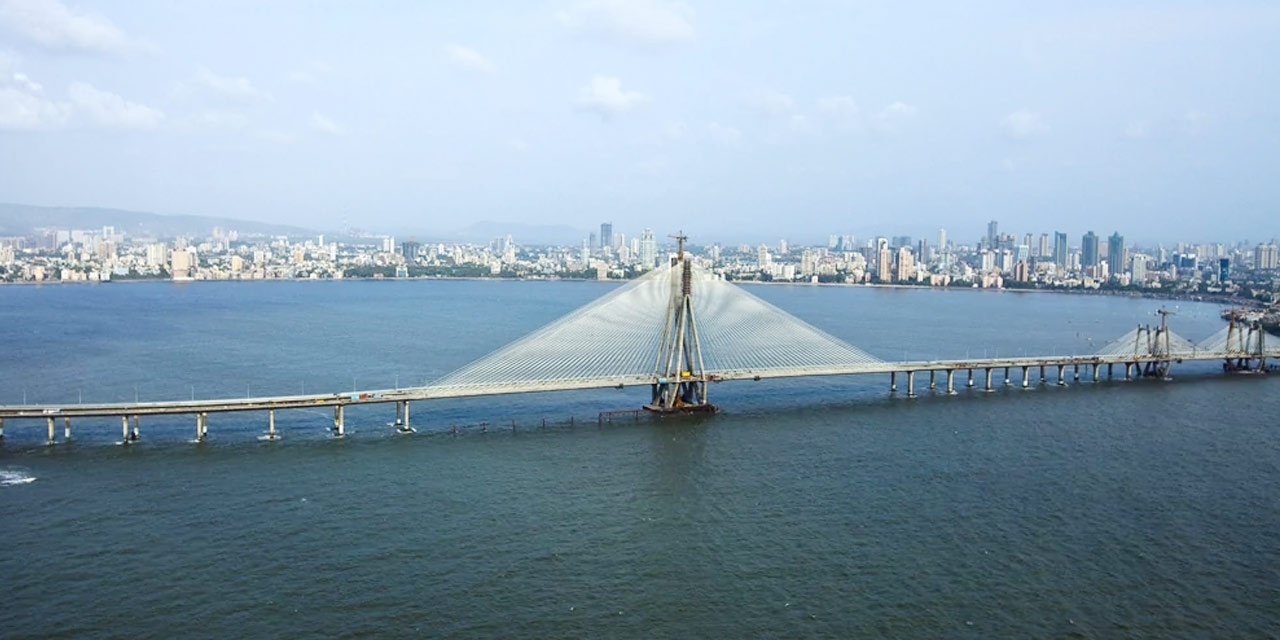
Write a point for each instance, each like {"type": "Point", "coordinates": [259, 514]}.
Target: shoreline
{"type": "Point", "coordinates": [1153, 295]}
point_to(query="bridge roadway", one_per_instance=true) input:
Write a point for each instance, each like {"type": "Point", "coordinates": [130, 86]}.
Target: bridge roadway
{"type": "Point", "coordinates": [200, 408]}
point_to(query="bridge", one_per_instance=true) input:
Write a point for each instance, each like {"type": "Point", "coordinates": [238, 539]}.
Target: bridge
{"type": "Point", "coordinates": [680, 328]}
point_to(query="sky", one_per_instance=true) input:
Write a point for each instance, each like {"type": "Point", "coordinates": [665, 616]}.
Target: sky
{"type": "Point", "coordinates": [735, 120]}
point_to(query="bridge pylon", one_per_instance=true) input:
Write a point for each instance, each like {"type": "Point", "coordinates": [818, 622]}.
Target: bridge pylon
{"type": "Point", "coordinates": [680, 380]}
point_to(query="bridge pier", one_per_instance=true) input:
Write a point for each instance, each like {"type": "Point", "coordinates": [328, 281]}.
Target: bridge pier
{"type": "Point", "coordinates": [124, 429]}
{"type": "Point", "coordinates": [1126, 371]}
{"type": "Point", "coordinates": [202, 426]}
{"type": "Point", "coordinates": [988, 388]}
{"type": "Point", "coordinates": [970, 383]}
{"type": "Point", "coordinates": [1075, 375]}
{"type": "Point", "coordinates": [1095, 371]}
{"type": "Point", "coordinates": [402, 417]}
{"type": "Point", "coordinates": [1042, 378]}
{"type": "Point", "coordinates": [933, 380]}
{"type": "Point", "coordinates": [339, 421]}
{"type": "Point", "coordinates": [135, 434]}
{"type": "Point", "coordinates": [1, 428]}
{"type": "Point", "coordinates": [50, 420]}
{"type": "Point", "coordinates": [1006, 377]}
{"type": "Point", "coordinates": [271, 425]}
{"type": "Point", "coordinates": [893, 382]}
{"type": "Point", "coordinates": [1025, 377]}
{"type": "Point", "coordinates": [66, 429]}
{"type": "Point", "coordinates": [1111, 370]}
{"type": "Point", "coordinates": [911, 384]}
{"type": "Point", "coordinates": [1062, 374]}
{"type": "Point", "coordinates": [951, 387]}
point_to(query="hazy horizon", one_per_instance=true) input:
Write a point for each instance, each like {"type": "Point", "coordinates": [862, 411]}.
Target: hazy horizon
{"type": "Point", "coordinates": [738, 122]}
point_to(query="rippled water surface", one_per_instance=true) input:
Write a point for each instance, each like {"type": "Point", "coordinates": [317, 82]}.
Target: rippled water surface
{"type": "Point", "coordinates": [807, 508]}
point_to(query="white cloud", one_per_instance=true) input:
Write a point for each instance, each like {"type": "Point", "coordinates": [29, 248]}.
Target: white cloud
{"type": "Point", "coordinates": [724, 134]}
{"type": "Point", "coordinates": [1138, 129]}
{"type": "Point", "coordinates": [773, 104]}
{"type": "Point", "coordinates": [838, 107]}
{"type": "Point", "coordinates": [468, 58]}
{"type": "Point", "coordinates": [646, 22]}
{"type": "Point", "coordinates": [1024, 124]}
{"type": "Point", "coordinates": [1194, 122]}
{"type": "Point", "coordinates": [604, 95]}
{"type": "Point", "coordinates": [324, 124]}
{"type": "Point", "coordinates": [51, 25]}
{"type": "Point", "coordinates": [24, 106]}
{"type": "Point", "coordinates": [110, 110]}
{"type": "Point", "coordinates": [227, 88]}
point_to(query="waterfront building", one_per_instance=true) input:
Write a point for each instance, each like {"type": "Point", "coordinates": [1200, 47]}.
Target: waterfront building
{"type": "Point", "coordinates": [1115, 254]}
{"type": "Point", "coordinates": [1266, 256]}
{"type": "Point", "coordinates": [1089, 250]}
{"type": "Point", "coordinates": [1060, 249]}
{"type": "Point", "coordinates": [648, 249]}
{"type": "Point", "coordinates": [606, 235]}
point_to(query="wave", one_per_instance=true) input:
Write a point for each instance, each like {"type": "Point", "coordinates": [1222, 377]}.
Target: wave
{"type": "Point", "coordinates": [9, 477]}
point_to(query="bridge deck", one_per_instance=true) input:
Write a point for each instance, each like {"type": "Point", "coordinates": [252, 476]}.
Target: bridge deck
{"type": "Point", "coordinates": [378, 396]}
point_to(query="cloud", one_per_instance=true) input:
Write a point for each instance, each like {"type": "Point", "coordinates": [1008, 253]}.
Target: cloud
{"type": "Point", "coordinates": [237, 89]}
{"type": "Point", "coordinates": [23, 105]}
{"type": "Point", "coordinates": [644, 22]}
{"type": "Point", "coordinates": [1138, 129]}
{"type": "Point", "coordinates": [110, 110]}
{"type": "Point", "coordinates": [51, 25]}
{"type": "Point", "coordinates": [724, 135]}
{"type": "Point", "coordinates": [468, 58]}
{"type": "Point", "coordinates": [1024, 124]}
{"type": "Point", "coordinates": [324, 124]}
{"type": "Point", "coordinates": [895, 115]}
{"type": "Point", "coordinates": [604, 95]}
{"type": "Point", "coordinates": [773, 104]}
{"type": "Point", "coordinates": [838, 107]}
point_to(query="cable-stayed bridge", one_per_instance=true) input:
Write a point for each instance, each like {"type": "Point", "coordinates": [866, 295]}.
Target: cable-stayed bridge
{"type": "Point", "coordinates": [677, 330]}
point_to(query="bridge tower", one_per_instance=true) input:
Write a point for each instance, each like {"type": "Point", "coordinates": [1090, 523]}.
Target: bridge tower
{"type": "Point", "coordinates": [1158, 346]}
{"type": "Point", "coordinates": [1246, 343]}
{"type": "Point", "coordinates": [680, 380]}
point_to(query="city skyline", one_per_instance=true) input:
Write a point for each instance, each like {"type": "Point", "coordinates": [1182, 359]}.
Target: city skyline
{"type": "Point", "coordinates": [714, 118]}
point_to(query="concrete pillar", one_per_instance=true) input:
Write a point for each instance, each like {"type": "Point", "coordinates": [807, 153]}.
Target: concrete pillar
{"type": "Point", "coordinates": [1111, 369]}
{"type": "Point", "coordinates": [271, 424]}
{"type": "Point", "coordinates": [988, 388]}
{"type": "Point", "coordinates": [970, 383]}
{"type": "Point", "coordinates": [1006, 375]}
{"type": "Point", "coordinates": [1025, 377]}
{"type": "Point", "coordinates": [951, 387]}
{"type": "Point", "coordinates": [1075, 375]}
{"type": "Point", "coordinates": [1095, 371]}
{"type": "Point", "coordinates": [202, 426]}
{"type": "Point", "coordinates": [1, 428]}
{"type": "Point", "coordinates": [124, 429]}
{"type": "Point", "coordinates": [66, 428]}
{"type": "Point", "coordinates": [50, 420]}
{"type": "Point", "coordinates": [911, 384]}
{"type": "Point", "coordinates": [893, 382]}
{"type": "Point", "coordinates": [1126, 371]}
{"type": "Point", "coordinates": [339, 426]}
{"type": "Point", "coordinates": [135, 426]}
{"type": "Point", "coordinates": [933, 380]}
{"type": "Point", "coordinates": [404, 418]}
{"type": "Point", "coordinates": [1042, 378]}
{"type": "Point", "coordinates": [1062, 368]}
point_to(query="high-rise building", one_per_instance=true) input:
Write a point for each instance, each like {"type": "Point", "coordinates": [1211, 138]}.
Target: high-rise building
{"type": "Point", "coordinates": [1224, 269]}
{"type": "Point", "coordinates": [884, 266]}
{"type": "Point", "coordinates": [906, 265]}
{"type": "Point", "coordinates": [1266, 256]}
{"type": "Point", "coordinates": [592, 241]}
{"type": "Point", "coordinates": [1060, 249]}
{"type": "Point", "coordinates": [782, 246]}
{"type": "Point", "coordinates": [648, 249]}
{"type": "Point", "coordinates": [1042, 250]}
{"type": "Point", "coordinates": [1115, 254]}
{"type": "Point", "coordinates": [606, 235]}
{"type": "Point", "coordinates": [993, 233]}
{"type": "Point", "coordinates": [1089, 250]}
{"type": "Point", "coordinates": [942, 240]}
{"type": "Point", "coordinates": [409, 249]}
{"type": "Point", "coordinates": [763, 260]}
{"type": "Point", "coordinates": [922, 250]}
{"type": "Point", "coordinates": [1138, 270]}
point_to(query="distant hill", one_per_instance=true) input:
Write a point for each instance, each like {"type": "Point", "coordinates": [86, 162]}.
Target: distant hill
{"type": "Point", "coordinates": [22, 219]}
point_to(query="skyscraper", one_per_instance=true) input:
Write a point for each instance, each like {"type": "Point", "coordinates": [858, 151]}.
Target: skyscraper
{"type": "Point", "coordinates": [1089, 250]}
{"type": "Point", "coordinates": [606, 234]}
{"type": "Point", "coordinates": [1266, 256]}
{"type": "Point", "coordinates": [1042, 251]}
{"type": "Point", "coordinates": [1060, 249]}
{"type": "Point", "coordinates": [648, 249]}
{"type": "Point", "coordinates": [942, 240]}
{"type": "Point", "coordinates": [1115, 254]}
{"type": "Point", "coordinates": [993, 233]}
